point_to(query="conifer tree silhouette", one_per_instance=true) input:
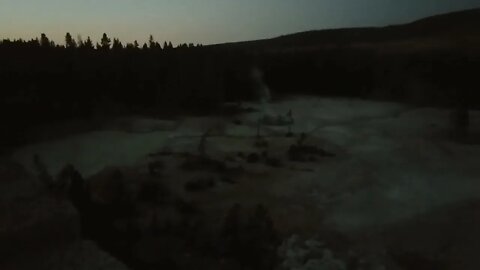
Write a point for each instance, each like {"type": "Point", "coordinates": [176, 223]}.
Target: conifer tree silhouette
{"type": "Point", "coordinates": [105, 42]}
{"type": "Point", "coordinates": [44, 41]}
{"type": "Point", "coordinates": [70, 42]}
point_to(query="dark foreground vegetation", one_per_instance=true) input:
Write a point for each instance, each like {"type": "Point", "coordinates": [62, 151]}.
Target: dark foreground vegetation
{"type": "Point", "coordinates": [140, 220]}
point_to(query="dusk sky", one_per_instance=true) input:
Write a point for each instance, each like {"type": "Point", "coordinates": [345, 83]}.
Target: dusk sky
{"type": "Point", "coordinates": [205, 21]}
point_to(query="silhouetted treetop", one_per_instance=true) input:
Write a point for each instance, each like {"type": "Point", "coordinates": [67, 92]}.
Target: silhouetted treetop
{"type": "Point", "coordinates": [105, 42]}
{"type": "Point", "coordinates": [151, 42]}
{"type": "Point", "coordinates": [88, 44]}
{"type": "Point", "coordinates": [44, 41]}
{"type": "Point", "coordinates": [117, 44]}
{"type": "Point", "coordinates": [69, 41]}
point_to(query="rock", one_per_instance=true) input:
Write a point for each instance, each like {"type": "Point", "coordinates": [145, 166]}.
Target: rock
{"type": "Point", "coordinates": [238, 170]}
{"type": "Point", "coordinates": [261, 142]}
{"type": "Point", "coordinates": [253, 158]}
{"type": "Point", "coordinates": [228, 180]}
{"type": "Point", "coordinates": [241, 155]}
{"type": "Point", "coordinates": [185, 207]}
{"type": "Point", "coordinates": [200, 163]}
{"type": "Point", "coordinates": [324, 264]}
{"type": "Point", "coordinates": [235, 109]}
{"type": "Point", "coordinates": [199, 184]}
{"type": "Point", "coordinates": [304, 153]}
{"type": "Point", "coordinates": [230, 159]}
{"type": "Point", "coordinates": [166, 151]}
{"type": "Point", "coordinates": [237, 122]}
{"type": "Point", "coordinates": [308, 255]}
{"type": "Point", "coordinates": [313, 244]}
{"type": "Point", "coordinates": [292, 254]}
{"type": "Point", "coordinates": [274, 162]}
{"type": "Point", "coordinates": [155, 167]}
{"type": "Point", "coordinates": [289, 134]}
{"type": "Point", "coordinates": [152, 192]}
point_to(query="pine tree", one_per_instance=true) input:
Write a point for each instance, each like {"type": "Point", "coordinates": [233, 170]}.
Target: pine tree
{"type": "Point", "coordinates": [44, 41]}
{"type": "Point", "coordinates": [117, 44]}
{"type": "Point", "coordinates": [88, 44]}
{"type": "Point", "coordinates": [105, 42]}
{"type": "Point", "coordinates": [35, 42]}
{"type": "Point", "coordinates": [151, 42]}
{"type": "Point", "coordinates": [70, 42]}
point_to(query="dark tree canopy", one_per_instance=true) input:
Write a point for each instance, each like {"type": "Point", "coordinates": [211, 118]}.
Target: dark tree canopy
{"type": "Point", "coordinates": [105, 42]}
{"type": "Point", "coordinates": [69, 41]}
{"type": "Point", "coordinates": [117, 44]}
{"type": "Point", "coordinates": [151, 42]}
{"type": "Point", "coordinates": [44, 41]}
{"type": "Point", "coordinates": [88, 44]}
{"type": "Point", "coordinates": [42, 83]}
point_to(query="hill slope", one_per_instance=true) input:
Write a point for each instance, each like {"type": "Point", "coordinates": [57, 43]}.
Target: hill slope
{"type": "Point", "coordinates": [446, 26]}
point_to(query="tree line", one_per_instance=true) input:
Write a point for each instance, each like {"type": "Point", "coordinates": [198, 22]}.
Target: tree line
{"type": "Point", "coordinates": [106, 43]}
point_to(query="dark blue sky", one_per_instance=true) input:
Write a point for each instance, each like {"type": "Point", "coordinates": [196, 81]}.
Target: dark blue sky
{"type": "Point", "coordinates": [206, 21]}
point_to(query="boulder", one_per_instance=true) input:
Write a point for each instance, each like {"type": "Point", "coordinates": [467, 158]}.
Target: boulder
{"type": "Point", "coordinates": [201, 163]}
{"type": "Point", "coordinates": [199, 184]}
{"type": "Point", "coordinates": [304, 153]}
{"type": "Point", "coordinates": [253, 158]}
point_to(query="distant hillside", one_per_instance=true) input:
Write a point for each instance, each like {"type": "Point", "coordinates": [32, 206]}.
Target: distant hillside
{"type": "Point", "coordinates": [462, 22]}
{"type": "Point", "coordinates": [451, 26]}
